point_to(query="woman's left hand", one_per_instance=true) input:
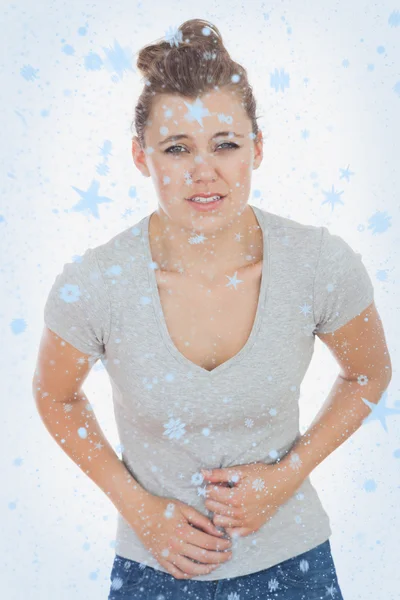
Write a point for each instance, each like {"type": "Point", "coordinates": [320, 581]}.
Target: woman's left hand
{"type": "Point", "coordinates": [259, 490]}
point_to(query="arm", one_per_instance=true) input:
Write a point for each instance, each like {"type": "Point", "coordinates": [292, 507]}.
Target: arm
{"type": "Point", "coordinates": [92, 452]}
{"type": "Point", "coordinates": [340, 416]}
{"type": "Point", "coordinates": [360, 349]}
{"type": "Point", "coordinates": [70, 420]}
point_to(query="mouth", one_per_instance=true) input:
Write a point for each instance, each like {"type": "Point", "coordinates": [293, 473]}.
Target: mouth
{"type": "Point", "coordinates": [205, 206]}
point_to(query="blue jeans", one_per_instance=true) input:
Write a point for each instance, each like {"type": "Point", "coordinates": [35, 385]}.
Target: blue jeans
{"type": "Point", "coordinates": [307, 576]}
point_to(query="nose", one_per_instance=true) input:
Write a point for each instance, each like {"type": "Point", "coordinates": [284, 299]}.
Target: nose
{"type": "Point", "coordinates": [204, 168]}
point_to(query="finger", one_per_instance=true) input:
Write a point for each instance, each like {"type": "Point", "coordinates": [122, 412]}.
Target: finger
{"type": "Point", "coordinates": [237, 531]}
{"type": "Point", "coordinates": [201, 521]}
{"type": "Point", "coordinates": [179, 573]}
{"type": "Point", "coordinates": [202, 540]}
{"type": "Point", "coordinates": [202, 555]}
{"type": "Point", "coordinates": [173, 570]}
{"type": "Point", "coordinates": [222, 494]}
{"type": "Point", "coordinates": [221, 509]}
{"type": "Point", "coordinates": [225, 474]}
{"type": "Point", "coordinates": [227, 521]}
{"type": "Point", "coordinates": [188, 566]}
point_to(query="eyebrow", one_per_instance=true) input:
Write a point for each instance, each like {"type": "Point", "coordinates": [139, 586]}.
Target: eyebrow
{"type": "Point", "coordinates": [180, 136]}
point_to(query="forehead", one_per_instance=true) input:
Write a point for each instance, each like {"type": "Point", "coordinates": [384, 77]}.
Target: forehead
{"type": "Point", "coordinates": [215, 109]}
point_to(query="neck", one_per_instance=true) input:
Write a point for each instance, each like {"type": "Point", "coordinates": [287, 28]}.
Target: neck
{"type": "Point", "coordinates": [234, 247]}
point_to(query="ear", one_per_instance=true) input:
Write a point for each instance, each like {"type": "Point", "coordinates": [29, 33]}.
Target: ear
{"type": "Point", "coordinates": [139, 157]}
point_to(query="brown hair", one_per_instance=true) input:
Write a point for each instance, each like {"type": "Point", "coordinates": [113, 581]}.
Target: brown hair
{"type": "Point", "coordinates": [190, 63]}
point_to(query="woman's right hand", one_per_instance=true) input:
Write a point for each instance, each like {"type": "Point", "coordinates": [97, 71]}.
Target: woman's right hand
{"type": "Point", "coordinates": [165, 529]}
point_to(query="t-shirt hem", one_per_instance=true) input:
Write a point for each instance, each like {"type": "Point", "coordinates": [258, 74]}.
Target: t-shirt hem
{"type": "Point", "coordinates": [257, 563]}
{"type": "Point", "coordinates": [66, 336]}
{"type": "Point", "coordinates": [354, 311]}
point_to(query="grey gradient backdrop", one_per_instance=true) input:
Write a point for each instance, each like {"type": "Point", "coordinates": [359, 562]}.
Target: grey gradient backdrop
{"type": "Point", "coordinates": [327, 80]}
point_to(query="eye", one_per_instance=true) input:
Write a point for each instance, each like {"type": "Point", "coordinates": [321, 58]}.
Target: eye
{"type": "Point", "coordinates": [168, 150]}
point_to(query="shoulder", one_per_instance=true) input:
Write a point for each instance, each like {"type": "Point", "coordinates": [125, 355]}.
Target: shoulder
{"type": "Point", "coordinates": [293, 236]}
{"type": "Point", "coordinates": [121, 247]}
{"type": "Point", "coordinates": [316, 237]}
{"type": "Point", "coordinates": [277, 224]}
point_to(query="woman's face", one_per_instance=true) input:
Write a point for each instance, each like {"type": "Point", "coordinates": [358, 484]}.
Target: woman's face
{"type": "Point", "coordinates": [199, 162]}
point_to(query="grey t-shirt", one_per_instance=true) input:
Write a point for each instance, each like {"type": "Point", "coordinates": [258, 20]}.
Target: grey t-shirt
{"type": "Point", "coordinates": [174, 417]}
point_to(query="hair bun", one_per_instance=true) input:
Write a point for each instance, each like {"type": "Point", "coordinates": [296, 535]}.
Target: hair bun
{"type": "Point", "coordinates": [199, 34]}
{"type": "Point", "coordinates": [202, 32]}
{"type": "Point", "coordinates": [190, 61]}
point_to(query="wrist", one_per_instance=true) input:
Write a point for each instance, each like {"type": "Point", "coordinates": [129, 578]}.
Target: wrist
{"type": "Point", "coordinates": [125, 492]}
{"type": "Point", "coordinates": [293, 468]}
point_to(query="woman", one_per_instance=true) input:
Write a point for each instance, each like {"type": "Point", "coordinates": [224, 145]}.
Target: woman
{"type": "Point", "coordinates": [204, 315]}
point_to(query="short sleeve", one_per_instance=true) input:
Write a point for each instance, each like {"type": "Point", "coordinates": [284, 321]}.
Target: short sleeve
{"type": "Point", "coordinates": [77, 307]}
{"type": "Point", "coordinates": [342, 285]}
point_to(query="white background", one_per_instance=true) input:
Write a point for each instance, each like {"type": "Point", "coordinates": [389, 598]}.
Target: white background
{"type": "Point", "coordinates": [69, 83]}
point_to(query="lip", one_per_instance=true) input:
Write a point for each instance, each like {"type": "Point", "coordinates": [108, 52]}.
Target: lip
{"type": "Point", "coordinates": [210, 206]}
{"type": "Point", "coordinates": [205, 195]}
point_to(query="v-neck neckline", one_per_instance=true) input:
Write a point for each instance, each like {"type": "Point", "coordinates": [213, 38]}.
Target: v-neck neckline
{"type": "Point", "coordinates": [262, 298]}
